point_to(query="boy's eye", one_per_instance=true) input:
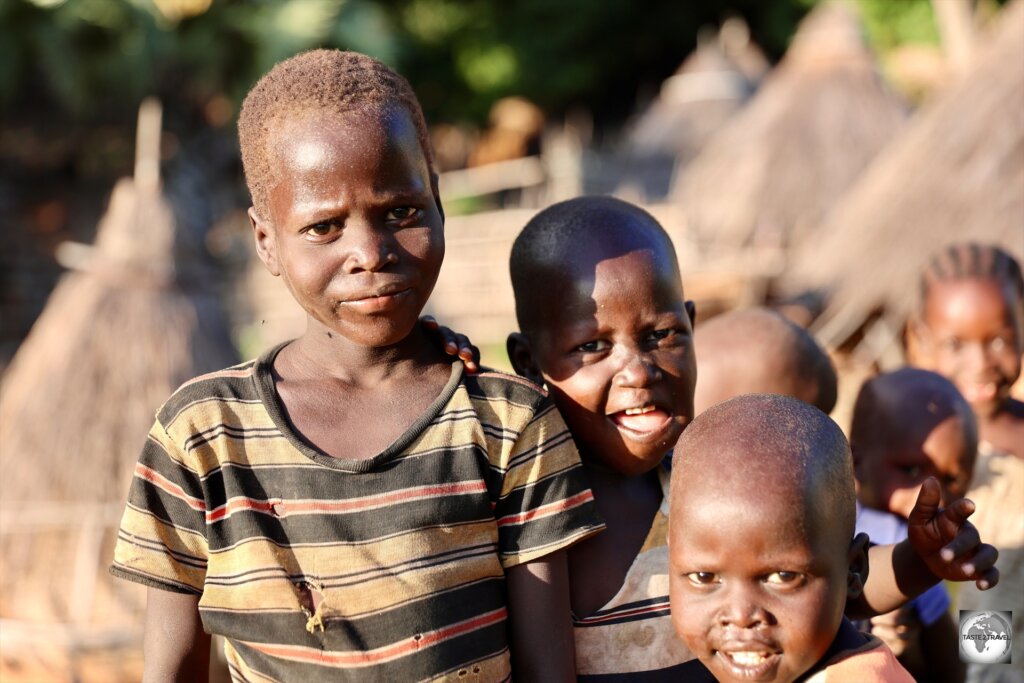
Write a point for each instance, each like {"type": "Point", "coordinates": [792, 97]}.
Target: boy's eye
{"type": "Point", "coordinates": [951, 344]}
{"type": "Point", "coordinates": [322, 229]}
{"type": "Point", "coordinates": [669, 334]}
{"type": "Point", "coordinates": [783, 578]}
{"type": "Point", "coordinates": [911, 471]}
{"type": "Point", "coordinates": [702, 578]}
{"type": "Point", "coordinates": [402, 213]}
{"type": "Point", "coordinates": [998, 344]}
{"type": "Point", "coordinates": [595, 346]}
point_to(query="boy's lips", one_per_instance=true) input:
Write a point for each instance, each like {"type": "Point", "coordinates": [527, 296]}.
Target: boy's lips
{"type": "Point", "coordinates": [386, 299]}
{"type": "Point", "coordinates": [751, 662]}
{"type": "Point", "coordinates": [979, 392]}
{"type": "Point", "coordinates": [643, 422]}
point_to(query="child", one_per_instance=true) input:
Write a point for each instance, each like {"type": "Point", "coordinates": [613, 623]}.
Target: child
{"type": "Point", "coordinates": [763, 555]}
{"type": "Point", "coordinates": [351, 506]}
{"type": "Point", "coordinates": [909, 425]}
{"type": "Point", "coordinates": [969, 328]}
{"type": "Point", "coordinates": [758, 351]}
{"type": "Point", "coordinates": [615, 350]}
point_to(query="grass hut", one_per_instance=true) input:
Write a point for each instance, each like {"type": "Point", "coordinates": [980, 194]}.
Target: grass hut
{"type": "Point", "coordinates": [771, 173]}
{"type": "Point", "coordinates": [118, 334]}
{"type": "Point", "coordinates": [955, 173]}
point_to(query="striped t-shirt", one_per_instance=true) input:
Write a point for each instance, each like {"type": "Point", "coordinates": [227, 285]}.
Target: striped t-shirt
{"type": "Point", "coordinates": [389, 568]}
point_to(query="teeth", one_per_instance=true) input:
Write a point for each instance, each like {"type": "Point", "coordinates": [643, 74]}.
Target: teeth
{"type": "Point", "coordinates": [639, 411]}
{"type": "Point", "coordinates": [748, 658]}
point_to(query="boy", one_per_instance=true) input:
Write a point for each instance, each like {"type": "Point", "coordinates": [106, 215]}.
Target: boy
{"type": "Point", "coordinates": [757, 351]}
{"type": "Point", "coordinates": [351, 506]}
{"type": "Point", "coordinates": [615, 350]}
{"type": "Point", "coordinates": [909, 425]}
{"type": "Point", "coordinates": [763, 555]}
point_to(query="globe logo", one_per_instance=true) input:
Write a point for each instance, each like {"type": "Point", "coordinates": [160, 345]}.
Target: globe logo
{"type": "Point", "coordinates": [985, 637]}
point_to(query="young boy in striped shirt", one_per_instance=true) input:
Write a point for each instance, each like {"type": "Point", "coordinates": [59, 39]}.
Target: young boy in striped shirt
{"type": "Point", "coordinates": [352, 505]}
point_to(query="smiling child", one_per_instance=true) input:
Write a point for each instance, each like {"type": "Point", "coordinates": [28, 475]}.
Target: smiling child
{"type": "Point", "coordinates": [762, 547]}
{"type": "Point", "coordinates": [970, 328]}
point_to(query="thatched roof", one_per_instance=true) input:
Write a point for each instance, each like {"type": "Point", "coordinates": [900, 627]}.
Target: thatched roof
{"type": "Point", "coordinates": [955, 173]}
{"type": "Point", "coordinates": [115, 338]}
{"type": "Point", "coordinates": [770, 174]}
{"type": "Point", "coordinates": [693, 103]}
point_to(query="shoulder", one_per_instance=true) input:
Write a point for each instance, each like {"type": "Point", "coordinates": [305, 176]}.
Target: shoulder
{"type": "Point", "coordinates": [210, 393]}
{"type": "Point", "coordinates": [871, 662]}
{"type": "Point", "coordinates": [505, 394]}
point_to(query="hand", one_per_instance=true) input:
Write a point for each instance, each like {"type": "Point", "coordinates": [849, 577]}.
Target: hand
{"type": "Point", "coordinates": [454, 344]}
{"type": "Point", "coordinates": [947, 543]}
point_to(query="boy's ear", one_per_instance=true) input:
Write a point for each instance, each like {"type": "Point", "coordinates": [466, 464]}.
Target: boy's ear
{"type": "Point", "coordinates": [691, 310]}
{"type": "Point", "coordinates": [857, 574]}
{"type": "Point", "coordinates": [520, 353]}
{"type": "Point", "coordinates": [266, 242]}
{"type": "Point", "coordinates": [436, 189]}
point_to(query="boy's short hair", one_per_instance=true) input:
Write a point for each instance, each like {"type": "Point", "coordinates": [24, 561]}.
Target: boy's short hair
{"type": "Point", "coordinates": [761, 351]}
{"type": "Point", "coordinates": [556, 232]}
{"type": "Point", "coordinates": [329, 80]}
{"type": "Point", "coordinates": [770, 433]}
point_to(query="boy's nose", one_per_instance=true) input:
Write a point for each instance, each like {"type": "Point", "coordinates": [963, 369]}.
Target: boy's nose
{"type": "Point", "coordinates": [369, 248]}
{"type": "Point", "coordinates": [637, 370]}
{"type": "Point", "coordinates": [741, 611]}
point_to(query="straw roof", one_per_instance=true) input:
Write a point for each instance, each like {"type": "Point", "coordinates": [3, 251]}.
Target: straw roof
{"type": "Point", "coordinates": [693, 103]}
{"type": "Point", "coordinates": [770, 174]}
{"type": "Point", "coordinates": [116, 337]}
{"type": "Point", "coordinates": [956, 173]}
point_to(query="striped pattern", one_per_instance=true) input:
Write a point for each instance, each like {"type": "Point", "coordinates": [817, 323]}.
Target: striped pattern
{"type": "Point", "coordinates": [631, 639]}
{"type": "Point", "coordinates": [319, 569]}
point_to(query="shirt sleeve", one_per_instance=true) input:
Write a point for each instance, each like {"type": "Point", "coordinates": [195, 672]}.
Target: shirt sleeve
{"type": "Point", "coordinates": [162, 539]}
{"type": "Point", "coordinates": [932, 604]}
{"type": "Point", "coordinates": [545, 503]}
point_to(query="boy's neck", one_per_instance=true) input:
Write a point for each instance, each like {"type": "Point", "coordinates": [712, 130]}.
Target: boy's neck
{"type": "Point", "coordinates": [322, 352]}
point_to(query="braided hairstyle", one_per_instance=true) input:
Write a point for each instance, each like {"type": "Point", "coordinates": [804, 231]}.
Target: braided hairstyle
{"type": "Point", "coordinates": [327, 80]}
{"type": "Point", "coordinates": [972, 260]}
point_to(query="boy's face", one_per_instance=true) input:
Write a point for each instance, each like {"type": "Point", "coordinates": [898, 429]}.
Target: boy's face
{"type": "Point", "coordinates": [893, 463]}
{"type": "Point", "coordinates": [615, 349]}
{"type": "Point", "coordinates": [758, 583]}
{"type": "Point", "coordinates": [971, 335]}
{"type": "Point", "coordinates": [354, 229]}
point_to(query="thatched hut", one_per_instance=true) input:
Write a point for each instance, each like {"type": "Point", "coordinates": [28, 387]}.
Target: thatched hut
{"type": "Point", "coordinates": [955, 173]}
{"type": "Point", "coordinates": [118, 334]}
{"type": "Point", "coordinates": [770, 174]}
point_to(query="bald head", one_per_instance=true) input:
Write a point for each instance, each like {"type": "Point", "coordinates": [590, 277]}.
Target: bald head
{"type": "Point", "coordinates": [563, 244]}
{"type": "Point", "coordinates": [756, 350]}
{"type": "Point", "coordinates": [906, 405]}
{"type": "Point", "coordinates": [769, 445]}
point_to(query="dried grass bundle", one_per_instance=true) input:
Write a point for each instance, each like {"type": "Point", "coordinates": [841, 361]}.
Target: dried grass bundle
{"type": "Point", "coordinates": [956, 173]}
{"type": "Point", "coordinates": [770, 174]}
{"type": "Point", "coordinates": [116, 337]}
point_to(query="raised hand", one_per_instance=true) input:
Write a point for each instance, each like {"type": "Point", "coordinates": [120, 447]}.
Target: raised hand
{"type": "Point", "coordinates": [946, 542]}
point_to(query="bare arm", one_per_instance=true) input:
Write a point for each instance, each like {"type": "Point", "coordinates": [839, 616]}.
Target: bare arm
{"type": "Point", "coordinates": [176, 649]}
{"type": "Point", "coordinates": [540, 626]}
{"type": "Point", "coordinates": [942, 544]}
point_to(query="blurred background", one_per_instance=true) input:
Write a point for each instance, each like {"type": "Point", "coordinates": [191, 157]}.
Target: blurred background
{"type": "Point", "coordinates": [805, 155]}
